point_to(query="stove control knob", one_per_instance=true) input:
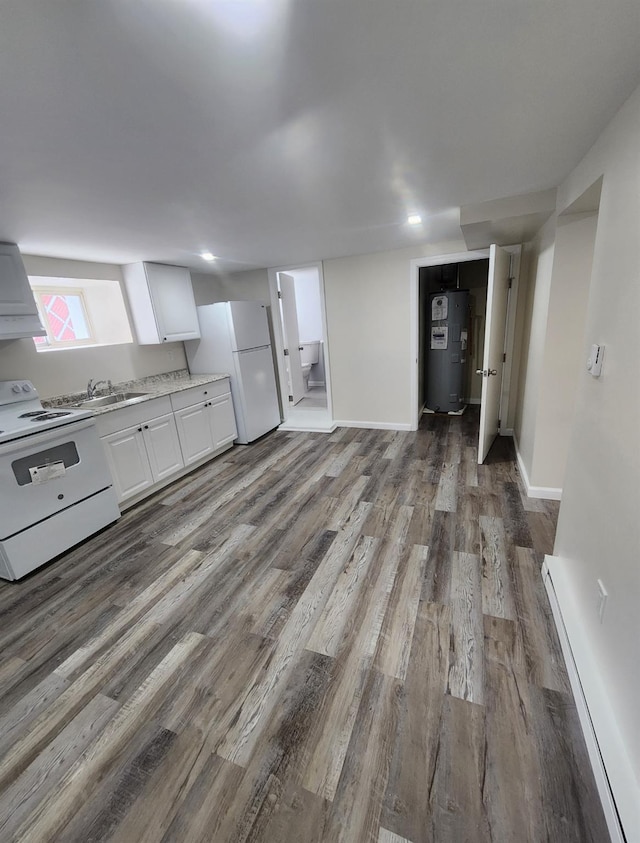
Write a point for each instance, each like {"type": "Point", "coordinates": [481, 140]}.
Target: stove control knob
{"type": "Point", "coordinates": [15, 388]}
{"type": "Point", "coordinates": [26, 387]}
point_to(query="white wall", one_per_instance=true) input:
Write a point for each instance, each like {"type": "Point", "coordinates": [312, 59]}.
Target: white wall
{"type": "Point", "coordinates": [68, 370]}
{"type": "Point", "coordinates": [535, 291]}
{"type": "Point", "coordinates": [557, 285]}
{"type": "Point", "coordinates": [564, 356]}
{"type": "Point", "coordinates": [368, 321]}
{"type": "Point", "coordinates": [238, 286]}
{"type": "Point", "coordinates": [598, 530]}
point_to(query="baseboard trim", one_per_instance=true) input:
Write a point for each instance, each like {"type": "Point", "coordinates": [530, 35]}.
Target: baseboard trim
{"type": "Point", "coordinates": [370, 425]}
{"type": "Point", "coordinates": [316, 383]}
{"type": "Point", "coordinates": [505, 431]}
{"type": "Point", "coordinates": [474, 401]}
{"type": "Point", "coordinates": [612, 770]}
{"type": "Point", "coordinates": [548, 493]}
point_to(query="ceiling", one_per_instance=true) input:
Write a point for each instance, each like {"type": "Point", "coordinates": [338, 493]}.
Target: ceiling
{"type": "Point", "coordinates": [272, 132]}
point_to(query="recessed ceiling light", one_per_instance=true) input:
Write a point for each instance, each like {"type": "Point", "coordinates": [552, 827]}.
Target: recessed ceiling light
{"type": "Point", "coordinates": [207, 256]}
{"type": "Point", "coordinates": [414, 219]}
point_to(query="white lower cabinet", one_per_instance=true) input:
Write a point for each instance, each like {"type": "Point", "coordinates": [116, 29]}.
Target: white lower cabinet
{"type": "Point", "coordinates": [205, 418]}
{"type": "Point", "coordinates": [163, 446]}
{"type": "Point", "coordinates": [141, 456]}
{"type": "Point", "coordinates": [222, 420]}
{"type": "Point", "coordinates": [147, 444]}
{"type": "Point", "coordinates": [128, 462]}
{"type": "Point", "coordinates": [194, 432]}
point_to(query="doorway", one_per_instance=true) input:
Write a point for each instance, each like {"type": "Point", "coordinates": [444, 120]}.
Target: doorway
{"type": "Point", "coordinates": [444, 282]}
{"type": "Point", "coordinates": [492, 314]}
{"type": "Point", "coordinates": [297, 304]}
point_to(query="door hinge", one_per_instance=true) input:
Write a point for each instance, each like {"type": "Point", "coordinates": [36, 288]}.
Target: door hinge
{"type": "Point", "coordinates": [510, 282]}
{"type": "Point", "coordinates": [504, 357]}
{"type": "Point", "coordinates": [279, 294]}
{"type": "Point", "coordinates": [286, 352]}
{"type": "Point", "coordinates": [499, 423]}
{"type": "Point", "coordinates": [291, 398]}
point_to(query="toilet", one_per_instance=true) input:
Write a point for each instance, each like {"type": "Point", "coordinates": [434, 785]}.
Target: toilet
{"type": "Point", "coordinates": [309, 355]}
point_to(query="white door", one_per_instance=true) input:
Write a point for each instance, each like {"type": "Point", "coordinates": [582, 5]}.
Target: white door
{"type": "Point", "coordinates": [194, 432]}
{"type": "Point", "coordinates": [256, 393]}
{"type": "Point", "coordinates": [128, 462]}
{"type": "Point", "coordinates": [494, 334]}
{"type": "Point", "coordinates": [291, 337]}
{"type": "Point", "coordinates": [163, 446]}
{"type": "Point", "coordinates": [249, 325]}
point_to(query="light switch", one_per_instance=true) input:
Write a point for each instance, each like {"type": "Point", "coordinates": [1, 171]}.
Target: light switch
{"type": "Point", "coordinates": [594, 361]}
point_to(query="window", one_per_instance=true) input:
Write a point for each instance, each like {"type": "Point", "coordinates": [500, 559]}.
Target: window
{"type": "Point", "coordinates": [79, 312]}
{"type": "Point", "coordinates": [64, 315]}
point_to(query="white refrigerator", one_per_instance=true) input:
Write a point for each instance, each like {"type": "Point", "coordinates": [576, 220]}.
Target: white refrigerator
{"type": "Point", "coordinates": [235, 340]}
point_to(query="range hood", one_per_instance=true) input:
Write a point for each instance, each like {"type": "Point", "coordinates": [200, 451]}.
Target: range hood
{"type": "Point", "coordinates": [18, 312]}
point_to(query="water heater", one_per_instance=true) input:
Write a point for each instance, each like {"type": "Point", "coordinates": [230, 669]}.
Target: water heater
{"type": "Point", "coordinates": [447, 337]}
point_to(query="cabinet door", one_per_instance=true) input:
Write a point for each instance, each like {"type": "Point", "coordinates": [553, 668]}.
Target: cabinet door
{"type": "Point", "coordinates": [173, 302]}
{"type": "Point", "coordinates": [222, 420]}
{"type": "Point", "coordinates": [16, 296]}
{"type": "Point", "coordinates": [163, 446]}
{"type": "Point", "coordinates": [128, 462]}
{"type": "Point", "coordinates": [194, 432]}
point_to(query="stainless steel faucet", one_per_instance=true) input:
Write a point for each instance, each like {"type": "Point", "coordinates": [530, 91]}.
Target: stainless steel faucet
{"type": "Point", "coordinates": [92, 387]}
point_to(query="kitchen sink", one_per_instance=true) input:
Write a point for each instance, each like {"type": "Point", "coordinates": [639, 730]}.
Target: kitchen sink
{"type": "Point", "coordinates": [114, 398]}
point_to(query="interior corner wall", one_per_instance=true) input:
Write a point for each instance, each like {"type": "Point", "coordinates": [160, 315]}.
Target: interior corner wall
{"type": "Point", "coordinates": [598, 533]}
{"type": "Point", "coordinates": [369, 328]}
{"type": "Point", "coordinates": [68, 370]}
{"type": "Point", "coordinates": [251, 285]}
{"type": "Point", "coordinates": [564, 347]}
{"type": "Point", "coordinates": [535, 292]}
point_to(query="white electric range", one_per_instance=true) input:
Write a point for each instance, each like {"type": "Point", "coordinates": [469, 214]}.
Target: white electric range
{"type": "Point", "coordinates": [55, 486]}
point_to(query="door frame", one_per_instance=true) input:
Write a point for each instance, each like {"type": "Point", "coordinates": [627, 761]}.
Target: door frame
{"type": "Point", "coordinates": [414, 328]}
{"type": "Point", "coordinates": [279, 334]}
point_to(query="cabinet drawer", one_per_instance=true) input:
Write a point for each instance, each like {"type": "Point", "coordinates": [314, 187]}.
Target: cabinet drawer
{"type": "Point", "coordinates": [196, 394]}
{"type": "Point", "coordinates": [125, 417]}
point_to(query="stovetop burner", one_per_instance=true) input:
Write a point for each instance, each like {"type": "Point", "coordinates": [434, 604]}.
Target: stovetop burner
{"type": "Point", "coordinates": [46, 416]}
{"type": "Point", "coordinates": [20, 406]}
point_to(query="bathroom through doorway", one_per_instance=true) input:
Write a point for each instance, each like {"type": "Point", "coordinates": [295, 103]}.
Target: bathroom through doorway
{"type": "Point", "coordinates": [297, 304]}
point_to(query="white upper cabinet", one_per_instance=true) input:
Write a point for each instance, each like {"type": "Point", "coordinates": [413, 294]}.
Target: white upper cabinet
{"type": "Point", "coordinates": [162, 303]}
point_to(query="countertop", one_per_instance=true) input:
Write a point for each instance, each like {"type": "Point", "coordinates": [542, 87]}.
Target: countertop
{"type": "Point", "coordinates": [154, 385]}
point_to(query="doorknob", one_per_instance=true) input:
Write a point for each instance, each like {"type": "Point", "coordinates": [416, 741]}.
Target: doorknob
{"type": "Point", "coordinates": [486, 372]}
{"type": "Point", "coordinates": [493, 372]}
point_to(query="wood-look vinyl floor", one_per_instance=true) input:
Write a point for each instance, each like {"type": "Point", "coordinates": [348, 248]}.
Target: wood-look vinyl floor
{"type": "Point", "coordinates": [314, 638]}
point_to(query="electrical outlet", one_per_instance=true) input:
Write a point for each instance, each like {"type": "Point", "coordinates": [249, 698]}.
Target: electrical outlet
{"type": "Point", "coordinates": [602, 600]}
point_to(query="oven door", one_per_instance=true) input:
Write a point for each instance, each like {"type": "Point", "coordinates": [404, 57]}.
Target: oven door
{"type": "Point", "coordinates": [47, 472]}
